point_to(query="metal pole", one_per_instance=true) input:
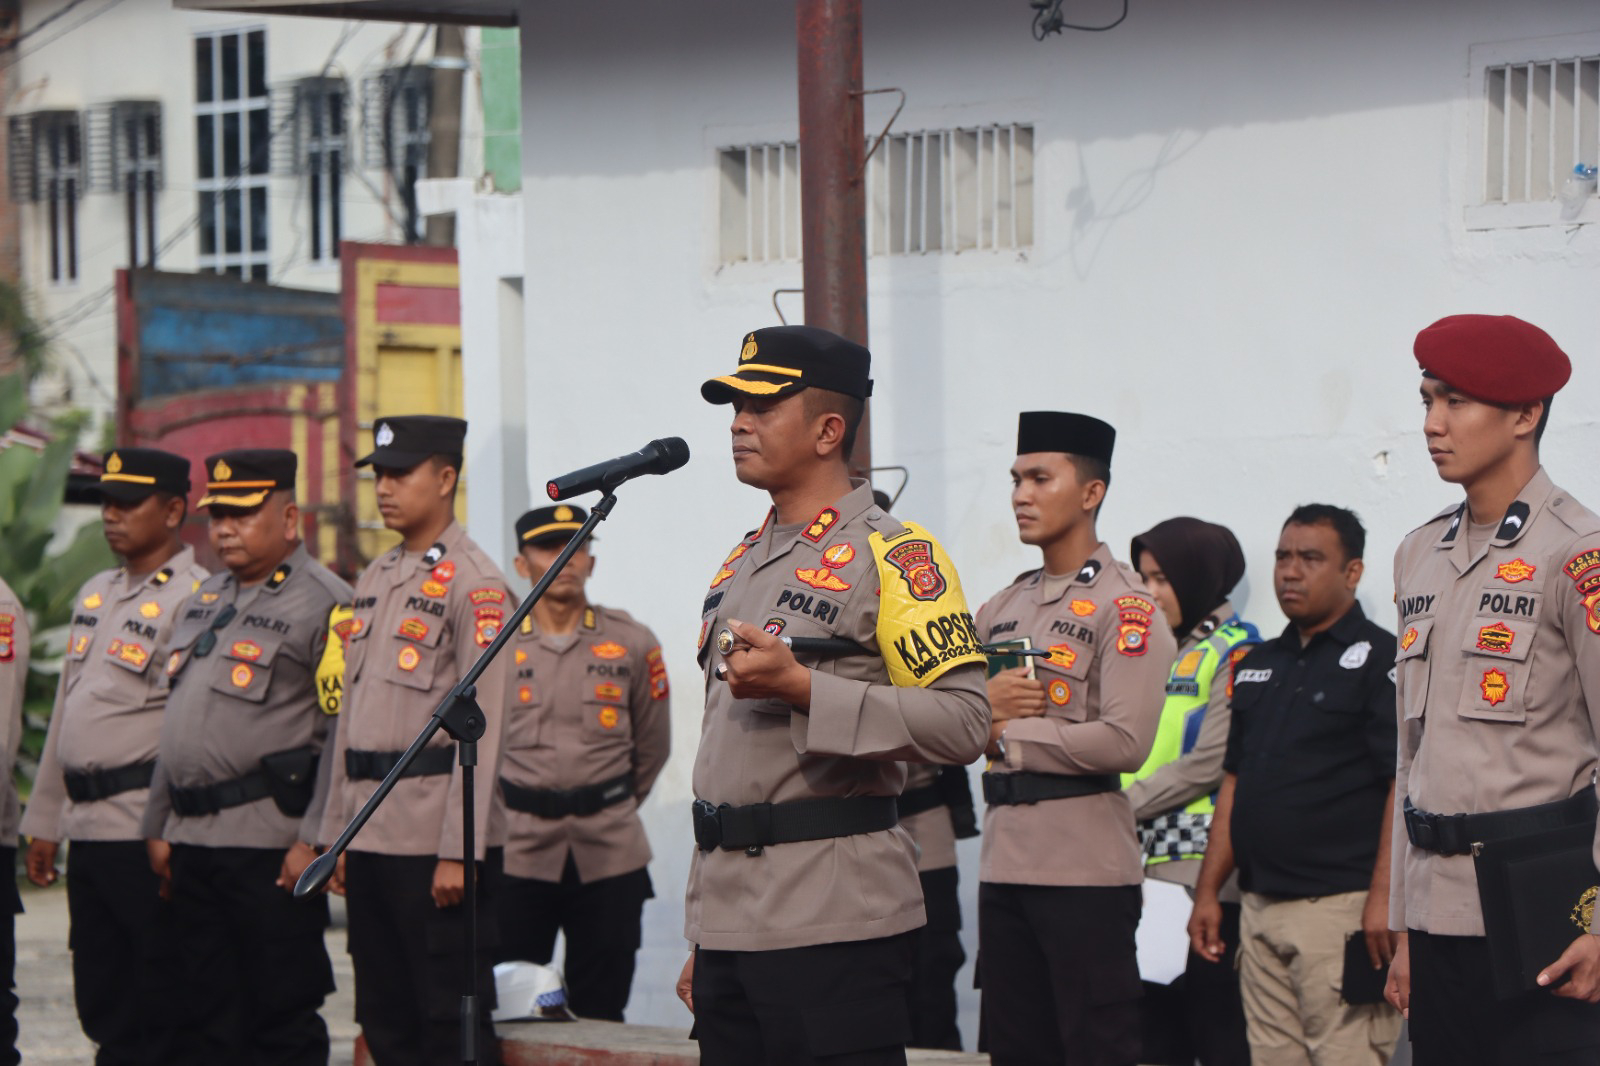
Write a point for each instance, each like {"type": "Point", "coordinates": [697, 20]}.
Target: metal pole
{"type": "Point", "coordinates": [833, 204]}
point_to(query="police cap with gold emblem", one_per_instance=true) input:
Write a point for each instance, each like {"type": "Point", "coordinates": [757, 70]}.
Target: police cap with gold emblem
{"type": "Point", "coordinates": [1496, 358]}
{"type": "Point", "coordinates": [131, 474]}
{"type": "Point", "coordinates": [782, 360]}
{"type": "Point", "coordinates": [246, 476]}
{"type": "Point", "coordinates": [550, 525]}
{"type": "Point", "coordinates": [400, 442]}
{"type": "Point", "coordinates": [1063, 431]}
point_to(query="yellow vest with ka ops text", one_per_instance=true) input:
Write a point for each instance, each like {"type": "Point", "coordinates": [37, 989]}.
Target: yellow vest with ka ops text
{"type": "Point", "coordinates": [1182, 833]}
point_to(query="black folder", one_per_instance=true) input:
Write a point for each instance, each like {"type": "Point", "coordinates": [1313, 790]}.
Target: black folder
{"type": "Point", "coordinates": [1538, 894]}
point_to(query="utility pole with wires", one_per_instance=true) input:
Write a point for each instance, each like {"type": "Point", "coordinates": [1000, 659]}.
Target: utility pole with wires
{"type": "Point", "coordinates": [444, 123]}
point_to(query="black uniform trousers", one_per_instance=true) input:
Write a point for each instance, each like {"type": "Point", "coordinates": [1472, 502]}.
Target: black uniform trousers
{"type": "Point", "coordinates": [1200, 1016]}
{"type": "Point", "coordinates": [121, 940]}
{"type": "Point", "coordinates": [1457, 1021]}
{"type": "Point", "coordinates": [409, 959]}
{"type": "Point", "coordinates": [8, 955]}
{"type": "Point", "coordinates": [822, 1005]}
{"type": "Point", "coordinates": [253, 966]}
{"type": "Point", "coordinates": [601, 921]}
{"type": "Point", "coordinates": [1060, 974]}
{"type": "Point", "coordinates": [938, 958]}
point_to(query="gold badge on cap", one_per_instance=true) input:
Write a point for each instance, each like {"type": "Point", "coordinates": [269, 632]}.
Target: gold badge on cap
{"type": "Point", "coordinates": [563, 513]}
{"type": "Point", "coordinates": [222, 471]}
{"type": "Point", "coordinates": [749, 351]}
{"type": "Point", "coordinates": [114, 464]}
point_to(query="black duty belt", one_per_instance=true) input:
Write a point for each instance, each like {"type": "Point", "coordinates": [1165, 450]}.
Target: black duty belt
{"type": "Point", "coordinates": [1455, 834]}
{"type": "Point", "coordinates": [756, 826]}
{"type": "Point", "coordinates": [86, 786]}
{"type": "Point", "coordinates": [560, 802]}
{"type": "Point", "coordinates": [920, 800]}
{"type": "Point", "coordinates": [198, 800]}
{"type": "Point", "coordinates": [1005, 790]}
{"type": "Point", "coordinates": [375, 765]}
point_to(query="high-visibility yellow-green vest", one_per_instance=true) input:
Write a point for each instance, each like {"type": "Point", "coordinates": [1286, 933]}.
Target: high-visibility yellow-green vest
{"type": "Point", "coordinates": [1182, 833]}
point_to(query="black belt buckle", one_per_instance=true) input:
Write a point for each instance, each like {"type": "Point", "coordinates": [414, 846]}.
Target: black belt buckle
{"type": "Point", "coordinates": [999, 789]}
{"type": "Point", "coordinates": [707, 825]}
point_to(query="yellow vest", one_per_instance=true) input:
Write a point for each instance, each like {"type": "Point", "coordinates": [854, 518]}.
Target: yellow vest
{"type": "Point", "coordinates": [1182, 833]}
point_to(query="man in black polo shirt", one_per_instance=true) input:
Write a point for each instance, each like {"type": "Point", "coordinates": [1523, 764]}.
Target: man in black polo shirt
{"type": "Point", "coordinates": [1304, 810]}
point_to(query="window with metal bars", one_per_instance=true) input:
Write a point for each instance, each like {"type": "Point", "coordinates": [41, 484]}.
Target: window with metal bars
{"type": "Point", "coordinates": [45, 151]}
{"type": "Point", "coordinates": [931, 191]}
{"type": "Point", "coordinates": [323, 131]}
{"type": "Point", "coordinates": [136, 169]}
{"type": "Point", "coordinates": [1541, 119]}
{"type": "Point", "coordinates": [396, 106]}
{"type": "Point", "coordinates": [233, 138]}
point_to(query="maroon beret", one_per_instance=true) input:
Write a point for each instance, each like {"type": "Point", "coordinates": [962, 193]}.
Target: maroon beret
{"type": "Point", "coordinates": [1496, 358]}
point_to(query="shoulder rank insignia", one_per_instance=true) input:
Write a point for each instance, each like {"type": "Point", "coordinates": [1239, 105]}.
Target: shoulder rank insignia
{"type": "Point", "coordinates": [821, 524]}
{"type": "Point", "coordinates": [162, 576]}
{"type": "Point", "coordinates": [588, 618]}
{"type": "Point", "coordinates": [433, 555]}
{"type": "Point", "coordinates": [279, 576]}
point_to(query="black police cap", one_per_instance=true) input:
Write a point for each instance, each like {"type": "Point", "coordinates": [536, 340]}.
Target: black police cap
{"type": "Point", "coordinates": [400, 442]}
{"type": "Point", "coordinates": [245, 477]}
{"type": "Point", "coordinates": [131, 474]}
{"type": "Point", "coordinates": [1063, 431]}
{"type": "Point", "coordinates": [550, 525]}
{"type": "Point", "coordinates": [782, 360]}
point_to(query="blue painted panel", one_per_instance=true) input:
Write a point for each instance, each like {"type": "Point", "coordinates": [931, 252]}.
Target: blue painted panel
{"type": "Point", "coordinates": [203, 331]}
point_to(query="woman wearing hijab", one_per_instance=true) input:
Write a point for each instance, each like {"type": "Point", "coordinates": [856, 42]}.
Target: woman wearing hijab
{"type": "Point", "coordinates": [1190, 567]}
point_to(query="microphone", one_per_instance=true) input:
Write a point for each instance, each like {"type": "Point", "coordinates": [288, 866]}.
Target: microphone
{"type": "Point", "coordinates": [657, 457]}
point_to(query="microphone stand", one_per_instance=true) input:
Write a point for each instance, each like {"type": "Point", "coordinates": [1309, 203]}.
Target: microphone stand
{"type": "Point", "coordinates": [459, 715]}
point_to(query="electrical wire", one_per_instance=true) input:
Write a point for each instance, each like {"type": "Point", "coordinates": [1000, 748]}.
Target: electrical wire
{"type": "Point", "coordinates": [1049, 20]}
{"type": "Point", "coordinates": [12, 60]}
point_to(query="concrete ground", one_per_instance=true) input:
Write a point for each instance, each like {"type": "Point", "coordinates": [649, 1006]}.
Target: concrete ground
{"type": "Point", "coordinates": [48, 1022]}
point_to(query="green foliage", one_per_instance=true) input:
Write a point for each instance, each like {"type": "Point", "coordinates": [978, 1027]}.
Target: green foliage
{"type": "Point", "coordinates": [32, 489]}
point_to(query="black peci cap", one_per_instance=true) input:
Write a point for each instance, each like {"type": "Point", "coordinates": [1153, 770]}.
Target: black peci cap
{"type": "Point", "coordinates": [246, 476]}
{"type": "Point", "coordinates": [1063, 431]}
{"type": "Point", "coordinates": [782, 360]}
{"type": "Point", "coordinates": [131, 474]}
{"type": "Point", "coordinates": [400, 442]}
{"type": "Point", "coordinates": [550, 525]}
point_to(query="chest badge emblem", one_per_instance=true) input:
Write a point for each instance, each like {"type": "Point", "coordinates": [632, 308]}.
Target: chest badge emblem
{"type": "Point", "coordinates": [609, 718]}
{"type": "Point", "coordinates": [1494, 686]}
{"type": "Point", "coordinates": [1355, 656]}
{"type": "Point", "coordinates": [838, 555]}
{"type": "Point", "coordinates": [822, 578]}
{"type": "Point", "coordinates": [242, 676]}
{"type": "Point", "coordinates": [1514, 571]}
{"type": "Point", "coordinates": [409, 658]}
{"type": "Point", "coordinates": [1409, 639]}
{"type": "Point", "coordinates": [1083, 608]}
{"type": "Point", "coordinates": [151, 609]}
{"type": "Point", "coordinates": [609, 650]}
{"type": "Point", "coordinates": [1063, 656]}
{"type": "Point", "coordinates": [1060, 693]}
{"type": "Point", "coordinates": [1496, 638]}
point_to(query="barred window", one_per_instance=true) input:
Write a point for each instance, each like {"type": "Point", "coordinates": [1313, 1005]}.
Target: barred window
{"type": "Point", "coordinates": [136, 172]}
{"type": "Point", "coordinates": [233, 152]}
{"type": "Point", "coordinates": [46, 168]}
{"type": "Point", "coordinates": [930, 191]}
{"type": "Point", "coordinates": [395, 109]}
{"type": "Point", "coordinates": [323, 153]}
{"type": "Point", "coordinates": [1542, 118]}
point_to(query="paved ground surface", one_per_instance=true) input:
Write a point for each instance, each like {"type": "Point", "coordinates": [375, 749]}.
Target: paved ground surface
{"type": "Point", "coordinates": [48, 1022]}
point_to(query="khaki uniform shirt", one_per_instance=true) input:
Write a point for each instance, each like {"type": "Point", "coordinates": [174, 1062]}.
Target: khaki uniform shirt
{"type": "Point", "coordinates": [918, 695]}
{"type": "Point", "coordinates": [16, 649]}
{"type": "Point", "coordinates": [253, 694]}
{"type": "Point", "coordinates": [109, 700]}
{"type": "Point", "coordinates": [1105, 683]}
{"type": "Point", "coordinates": [931, 831]}
{"type": "Point", "coordinates": [1498, 681]}
{"type": "Point", "coordinates": [583, 708]}
{"type": "Point", "coordinates": [421, 621]}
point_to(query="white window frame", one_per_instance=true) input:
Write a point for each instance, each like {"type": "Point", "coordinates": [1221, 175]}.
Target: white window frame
{"type": "Point", "coordinates": [247, 262]}
{"type": "Point", "coordinates": [323, 158]}
{"type": "Point", "coordinates": [138, 166]}
{"type": "Point", "coordinates": [1479, 212]}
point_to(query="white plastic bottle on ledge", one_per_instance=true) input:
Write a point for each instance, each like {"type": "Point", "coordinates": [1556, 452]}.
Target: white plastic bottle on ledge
{"type": "Point", "coordinates": [1577, 189]}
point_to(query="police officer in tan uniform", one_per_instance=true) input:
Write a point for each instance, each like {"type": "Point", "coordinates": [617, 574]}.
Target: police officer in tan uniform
{"type": "Point", "coordinates": [588, 728]}
{"type": "Point", "coordinates": [233, 807]}
{"type": "Point", "coordinates": [100, 752]}
{"type": "Point", "coordinates": [803, 896]}
{"type": "Point", "coordinates": [424, 612]}
{"type": "Point", "coordinates": [16, 643]}
{"type": "Point", "coordinates": [1498, 680]}
{"type": "Point", "coordinates": [1058, 893]}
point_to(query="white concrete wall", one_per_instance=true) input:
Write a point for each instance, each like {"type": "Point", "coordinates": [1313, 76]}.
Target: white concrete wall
{"type": "Point", "coordinates": [144, 49]}
{"type": "Point", "coordinates": [1244, 214]}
